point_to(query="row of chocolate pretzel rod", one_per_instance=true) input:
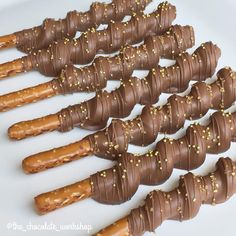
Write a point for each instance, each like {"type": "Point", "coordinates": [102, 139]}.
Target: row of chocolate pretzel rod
{"type": "Point", "coordinates": [145, 56]}
{"type": "Point", "coordinates": [213, 138]}
{"type": "Point", "coordinates": [114, 185]}
{"type": "Point", "coordinates": [50, 61]}
{"type": "Point", "coordinates": [39, 37]}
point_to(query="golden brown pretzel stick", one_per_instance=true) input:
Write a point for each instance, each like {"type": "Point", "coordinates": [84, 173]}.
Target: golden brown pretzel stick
{"type": "Point", "coordinates": [47, 123]}
{"type": "Point", "coordinates": [7, 41]}
{"type": "Point", "coordinates": [31, 95]}
{"type": "Point", "coordinates": [111, 142]}
{"type": "Point", "coordinates": [100, 13]}
{"type": "Point", "coordinates": [176, 40]}
{"type": "Point", "coordinates": [77, 192]}
{"type": "Point", "coordinates": [181, 203]}
{"type": "Point", "coordinates": [15, 67]}
{"type": "Point", "coordinates": [118, 228]}
{"type": "Point", "coordinates": [50, 61]}
{"type": "Point", "coordinates": [58, 156]}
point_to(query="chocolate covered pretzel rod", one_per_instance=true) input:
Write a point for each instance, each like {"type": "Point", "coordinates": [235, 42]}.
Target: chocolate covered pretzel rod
{"type": "Point", "coordinates": [93, 114]}
{"type": "Point", "coordinates": [119, 183]}
{"type": "Point", "coordinates": [114, 140]}
{"type": "Point", "coordinates": [94, 77]}
{"type": "Point", "coordinates": [99, 13]}
{"type": "Point", "coordinates": [60, 54]}
{"type": "Point", "coordinates": [182, 203]}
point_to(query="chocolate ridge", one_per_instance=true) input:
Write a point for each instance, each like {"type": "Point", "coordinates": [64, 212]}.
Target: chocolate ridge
{"type": "Point", "coordinates": [39, 37]}
{"type": "Point", "coordinates": [60, 54]}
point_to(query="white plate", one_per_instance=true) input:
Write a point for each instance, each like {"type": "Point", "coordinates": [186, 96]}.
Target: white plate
{"type": "Point", "coordinates": [212, 20]}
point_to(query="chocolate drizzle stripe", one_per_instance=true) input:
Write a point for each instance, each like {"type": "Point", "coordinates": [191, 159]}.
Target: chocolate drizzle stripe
{"type": "Point", "coordinates": [99, 13]}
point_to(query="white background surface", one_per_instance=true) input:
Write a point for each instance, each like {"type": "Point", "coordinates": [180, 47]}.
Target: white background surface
{"type": "Point", "coordinates": [212, 20]}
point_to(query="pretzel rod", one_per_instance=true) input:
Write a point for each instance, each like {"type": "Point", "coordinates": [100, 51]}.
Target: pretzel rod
{"type": "Point", "coordinates": [119, 183]}
{"type": "Point", "coordinates": [95, 76]}
{"type": "Point", "coordinates": [7, 41]}
{"type": "Point", "coordinates": [29, 95]}
{"type": "Point", "coordinates": [67, 153]}
{"type": "Point", "coordinates": [143, 130]}
{"type": "Point", "coordinates": [93, 114]}
{"type": "Point", "coordinates": [78, 192]}
{"type": "Point", "coordinates": [182, 203]}
{"type": "Point", "coordinates": [15, 67]}
{"type": "Point", "coordinates": [100, 13]}
{"type": "Point", "coordinates": [118, 228]}
{"type": "Point", "coordinates": [82, 50]}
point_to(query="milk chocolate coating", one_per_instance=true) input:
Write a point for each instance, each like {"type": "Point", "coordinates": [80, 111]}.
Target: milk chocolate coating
{"type": "Point", "coordinates": [119, 184]}
{"type": "Point", "coordinates": [184, 202]}
{"type": "Point", "coordinates": [146, 56]}
{"type": "Point", "coordinates": [94, 113]}
{"type": "Point", "coordinates": [100, 13]}
{"type": "Point", "coordinates": [169, 118]}
{"type": "Point", "coordinates": [60, 54]}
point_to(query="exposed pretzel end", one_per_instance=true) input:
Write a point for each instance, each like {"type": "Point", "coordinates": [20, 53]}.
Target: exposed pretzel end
{"type": "Point", "coordinates": [56, 157]}
{"type": "Point", "coordinates": [12, 68]}
{"type": "Point", "coordinates": [119, 228]}
{"type": "Point", "coordinates": [26, 96]}
{"type": "Point", "coordinates": [7, 41]}
{"type": "Point", "coordinates": [34, 127]}
{"type": "Point", "coordinates": [58, 198]}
